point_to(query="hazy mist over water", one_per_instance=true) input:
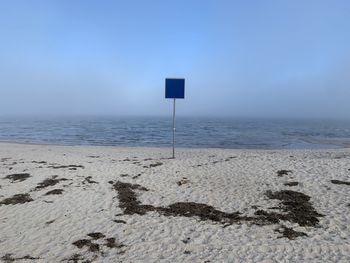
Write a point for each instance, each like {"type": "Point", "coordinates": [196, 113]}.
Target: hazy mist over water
{"type": "Point", "coordinates": [260, 74]}
{"type": "Point", "coordinates": [264, 59]}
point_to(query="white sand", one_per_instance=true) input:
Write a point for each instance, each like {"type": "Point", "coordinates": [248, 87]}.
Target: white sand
{"type": "Point", "coordinates": [238, 184]}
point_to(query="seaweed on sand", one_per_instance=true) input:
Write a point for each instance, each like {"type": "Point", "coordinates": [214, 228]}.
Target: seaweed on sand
{"type": "Point", "coordinates": [17, 199]}
{"type": "Point", "coordinates": [49, 182]}
{"type": "Point", "coordinates": [20, 177]}
{"type": "Point", "coordinates": [295, 206]}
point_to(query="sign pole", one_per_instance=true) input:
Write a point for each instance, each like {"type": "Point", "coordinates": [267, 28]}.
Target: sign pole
{"type": "Point", "coordinates": [174, 129]}
{"type": "Point", "coordinates": [174, 89]}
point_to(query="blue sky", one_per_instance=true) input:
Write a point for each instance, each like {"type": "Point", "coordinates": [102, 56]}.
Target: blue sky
{"type": "Point", "coordinates": [239, 58]}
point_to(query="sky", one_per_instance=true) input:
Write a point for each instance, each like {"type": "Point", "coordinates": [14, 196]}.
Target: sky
{"type": "Point", "coordinates": [278, 59]}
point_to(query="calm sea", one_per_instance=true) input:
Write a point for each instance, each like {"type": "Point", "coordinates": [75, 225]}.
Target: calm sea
{"type": "Point", "coordinates": [191, 132]}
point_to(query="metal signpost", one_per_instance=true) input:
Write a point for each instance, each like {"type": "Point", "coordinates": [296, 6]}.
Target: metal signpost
{"type": "Point", "coordinates": [174, 89]}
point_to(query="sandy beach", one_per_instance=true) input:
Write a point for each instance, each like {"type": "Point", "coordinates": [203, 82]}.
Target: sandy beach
{"type": "Point", "coordinates": [111, 204]}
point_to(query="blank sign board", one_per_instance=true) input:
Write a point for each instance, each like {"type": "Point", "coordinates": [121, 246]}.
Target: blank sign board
{"type": "Point", "coordinates": [174, 88]}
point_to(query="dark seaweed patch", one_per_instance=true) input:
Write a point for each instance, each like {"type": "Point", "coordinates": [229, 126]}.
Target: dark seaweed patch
{"type": "Point", "coordinates": [153, 165]}
{"type": "Point", "coordinates": [184, 180]}
{"type": "Point", "coordinates": [76, 258]}
{"type": "Point", "coordinates": [270, 217]}
{"type": "Point", "coordinates": [202, 211]}
{"type": "Point", "coordinates": [289, 232]}
{"type": "Point", "coordinates": [134, 159]}
{"type": "Point", "coordinates": [340, 182]}
{"type": "Point", "coordinates": [128, 199]}
{"type": "Point", "coordinates": [50, 182]}
{"type": "Point", "coordinates": [280, 173]}
{"type": "Point", "coordinates": [20, 177]}
{"type": "Point", "coordinates": [111, 243]}
{"type": "Point", "coordinates": [131, 205]}
{"type": "Point", "coordinates": [49, 222]}
{"type": "Point", "coordinates": [88, 180]}
{"type": "Point", "coordinates": [119, 221]}
{"type": "Point", "coordinates": [9, 258]}
{"type": "Point", "coordinates": [185, 241]}
{"type": "Point", "coordinates": [291, 183]}
{"type": "Point", "coordinates": [94, 247]}
{"type": "Point", "coordinates": [87, 243]}
{"type": "Point", "coordinates": [295, 206]}
{"type": "Point", "coordinates": [216, 161]}
{"type": "Point", "coordinates": [96, 235]}
{"type": "Point", "coordinates": [55, 192]}
{"type": "Point", "coordinates": [17, 199]}
{"type": "Point", "coordinates": [71, 166]}
{"type": "Point", "coordinates": [136, 176]}
{"type": "Point", "coordinates": [230, 158]}
{"type": "Point", "coordinates": [82, 243]}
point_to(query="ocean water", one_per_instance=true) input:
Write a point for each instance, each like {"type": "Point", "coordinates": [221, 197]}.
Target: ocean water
{"type": "Point", "coordinates": [191, 132]}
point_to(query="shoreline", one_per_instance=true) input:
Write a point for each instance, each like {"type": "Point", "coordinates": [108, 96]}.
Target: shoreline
{"type": "Point", "coordinates": [108, 204]}
{"type": "Point", "coordinates": [328, 145]}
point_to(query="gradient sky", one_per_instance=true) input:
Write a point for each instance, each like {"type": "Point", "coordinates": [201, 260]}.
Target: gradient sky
{"type": "Point", "coordinates": [239, 58]}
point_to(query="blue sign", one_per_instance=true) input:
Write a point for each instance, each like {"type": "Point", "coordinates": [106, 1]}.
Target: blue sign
{"type": "Point", "coordinates": [174, 88]}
